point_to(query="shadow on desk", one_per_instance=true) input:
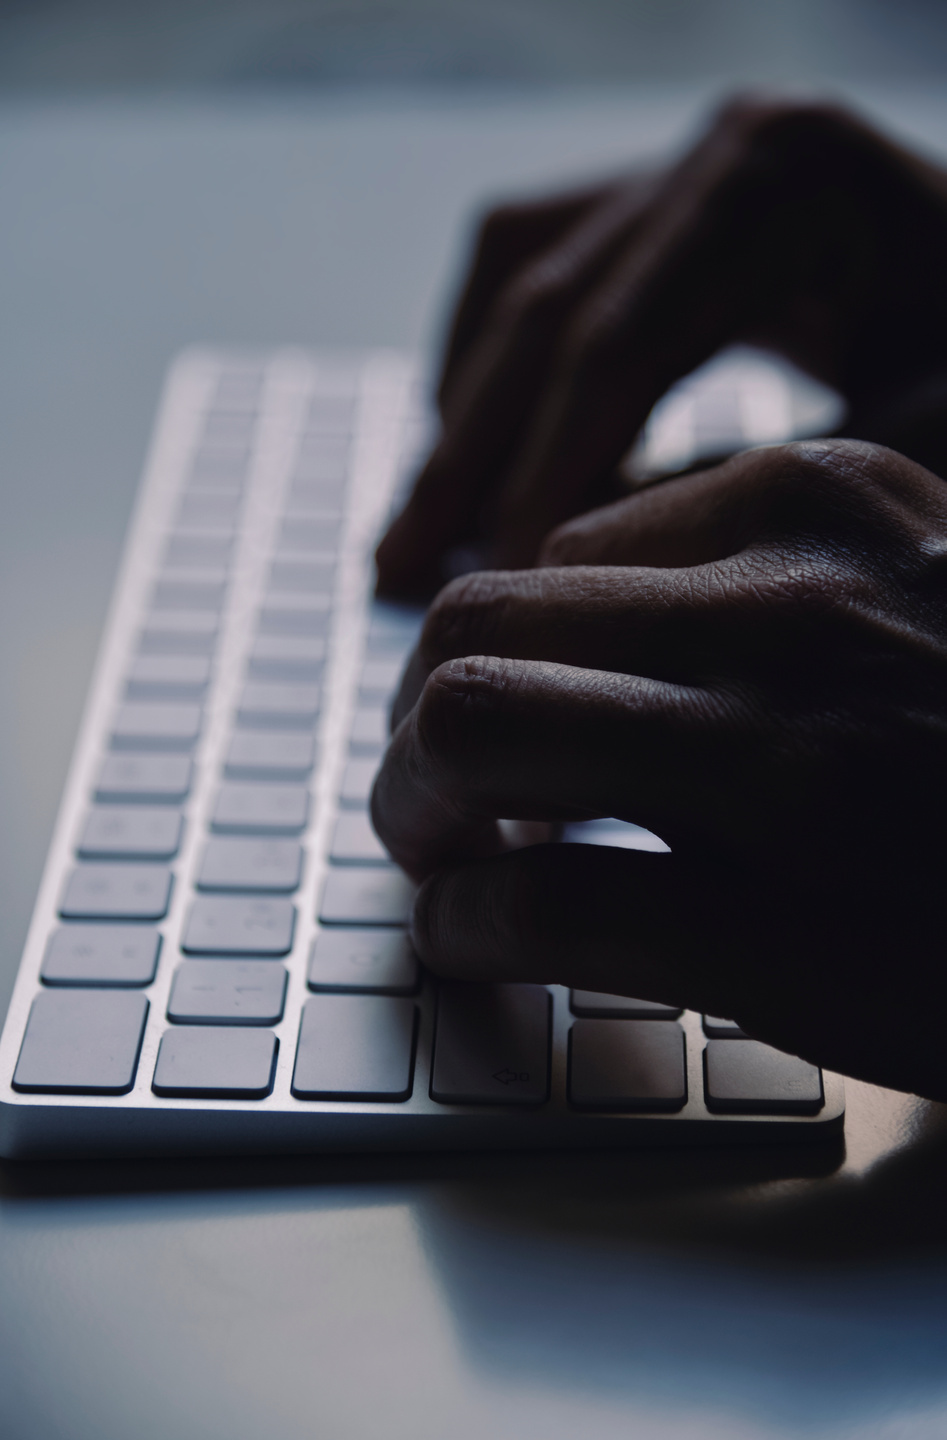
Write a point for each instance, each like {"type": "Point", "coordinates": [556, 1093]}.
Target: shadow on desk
{"type": "Point", "coordinates": [792, 1201]}
{"type": "Point", "coordinates": [796, 1285]}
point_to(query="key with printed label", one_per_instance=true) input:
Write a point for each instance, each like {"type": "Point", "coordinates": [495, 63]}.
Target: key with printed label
{"type": "Point", "coordinates": [491, 1045]}
{"type": "Point", "coordinates": [144, 779]}
{"type": "Point", "coordinates": [251, 865]}
{"type": "Point", "coordinates": [364, 958]}
{"type": "Point", "coordinates": [745, 1076]}
{"type": "Point", "coordinates": [363, 896]}
{"type": "Point", "coordinates": [101, 955]}
{"type": "Point", "coordinates": [227, 925]}
{"type": "Point", "coordinates": [95, 891]}
{"type": "Point", "coordinates": [135, 832]}
{"type": "Point", "coordinates": [252, 809]}
{"type": "Point", "coordinates": [227, 992]}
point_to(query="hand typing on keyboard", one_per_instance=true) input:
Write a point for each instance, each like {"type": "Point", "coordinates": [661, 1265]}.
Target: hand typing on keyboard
{"type": "Point", "coordinates": [751, 661]}
{"type": "Point", "coordinates": [795, 227]}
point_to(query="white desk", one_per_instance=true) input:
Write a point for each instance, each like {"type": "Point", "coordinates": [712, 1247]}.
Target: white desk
{"type": "Point", "coordinates": [470, 1298]}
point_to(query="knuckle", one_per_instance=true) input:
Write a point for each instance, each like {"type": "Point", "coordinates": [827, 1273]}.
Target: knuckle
{"type": "Point", "coordinates": [471, 615]}
{"type": "Point", "coordinates": [823, 488]}
{"type": "Point", "coordinates": [754, 120]}
{"type": "Point", "coordinates": [455, 618]}
{"type": "Point", "coordinates": [496, 224]}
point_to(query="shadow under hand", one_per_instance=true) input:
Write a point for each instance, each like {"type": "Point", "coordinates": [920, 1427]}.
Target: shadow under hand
{"type": "Point", "coordinates": [679, 1280]}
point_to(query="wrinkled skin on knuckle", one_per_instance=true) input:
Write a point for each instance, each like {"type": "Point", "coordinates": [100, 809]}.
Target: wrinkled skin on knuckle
{"type": "Point", "coordinates": [464, 616]}
{"type": "Point", "coordinates": [853, 498]}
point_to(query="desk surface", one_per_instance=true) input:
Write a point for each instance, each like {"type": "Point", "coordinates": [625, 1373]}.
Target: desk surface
{"type": "Point", "coordinates": [656, 1295]}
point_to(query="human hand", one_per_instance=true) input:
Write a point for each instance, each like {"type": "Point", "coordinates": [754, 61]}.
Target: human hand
{"type": "Point", "coordinates": [751, 662]}
{"type": "Point", "coordinates": [795, 227]}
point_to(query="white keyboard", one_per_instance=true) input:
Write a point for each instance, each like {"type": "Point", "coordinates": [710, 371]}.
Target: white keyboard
{"type": "Point", "coordinates": [218, 958]}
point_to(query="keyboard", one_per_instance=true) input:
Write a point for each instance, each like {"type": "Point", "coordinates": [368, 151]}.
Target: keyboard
{"type": "Point", "coordinates": [218, 960]}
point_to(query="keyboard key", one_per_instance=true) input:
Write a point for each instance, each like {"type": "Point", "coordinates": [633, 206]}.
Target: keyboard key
{"type": "Point", "coordinates": [303, 615]}
{"type": "Point", "coordinates": [144, 779]}
{"type": "Point", "coordinates": [380, 679]}
{"type": "Point", "coordinates": [209, 512]}
{"type": "Point", "coordinates": [167, 677]}
{"type": "Point", "coordinates": [358, 777]}
{"type": "Point", "coordinates": [717, 1029]}
{"type": "Point", "coordinates": [282, 707]}
{"type": "Point", "coordinates": [188, 595]}
{"type": "Point", "coordinates": [227, 992]}
{"type": "Point", "coordinates": [355, 842]}
{"type": "Point", "coordinates": [224, 474]}
{"type": "Point", "coordinates": [197, 552]}
{"type": "Point", "coordinates": [753, 1079]}
{"type": "Point", "coordinates": [179, 632]}
{"type": "Point", "coordinates": [363, 896]}
{"type": "Point", "coordinates": [315, 495]}
{"type": "Point", "coordinates": [140, 726]}
{"type": "Point", "coordinates": [107, 955]}
{"type": "Point", "coordinates": [316, 467]}
{"type": "Point", "coordinates": [291, 578]}
{"type": "Point", "coordinates": [592, 1003]}
{"type": "Point", "coordinates": [214, 1062]}
{"type": "Point", "coordinates": [224, 428]}
{"type": "Point", "coordinates": [627, 1065]}
{"type": "Point", "coordinates": [369, 733]}
{"type": "Point", "coordinates": [261, 809]}
{"type": "Point", "coordinates": [269, 755]}
{"type": "Point", "coordinates": [315, 443]}
{"type": "Point", "coordinates": [266, 866]}
{"type": "Point", "coordinates": [81, 1042]}
{"type": "Point", "coordinates": [332, 414]}
{"type": "Point", "coordinates": [286, 657]}
{"type": "Point", "coordinates": [116, 892]}
{"type": "Point", "coordinates": [377, 960]}
{"type": "Point", "coordinates": [299, 534]}
{"type": "Point", "coordinates": [491, 1045]}
{"type": "Point", "coordinates": [228, 925]}
{"type": "Point", "coordinates": [131, 833]}
{"type": "Point", "coordinates": [322, 454]}
{"type": "Point", "coordinates": [239, 388]}
{"type": "Point", "coordinates": [355, 1047]}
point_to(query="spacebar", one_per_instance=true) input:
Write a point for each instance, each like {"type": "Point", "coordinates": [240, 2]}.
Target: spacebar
{"type": "Point", "coordinates": [491, 1045]}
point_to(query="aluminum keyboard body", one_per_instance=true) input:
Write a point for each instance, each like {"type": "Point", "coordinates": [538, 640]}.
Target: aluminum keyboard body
{"type": "Point", "coordinates": [217, 793]}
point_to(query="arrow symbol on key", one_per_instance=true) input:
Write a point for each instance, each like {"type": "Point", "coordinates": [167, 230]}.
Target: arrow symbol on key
{"type": "Point", "coordinates": [507, 1076]}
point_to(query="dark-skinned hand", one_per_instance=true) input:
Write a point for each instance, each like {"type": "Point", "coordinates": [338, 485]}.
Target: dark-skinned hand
{"type": "Point", "coordinates": [750, 661]}
{"type": "Point", "coordinates": [795, 227]}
